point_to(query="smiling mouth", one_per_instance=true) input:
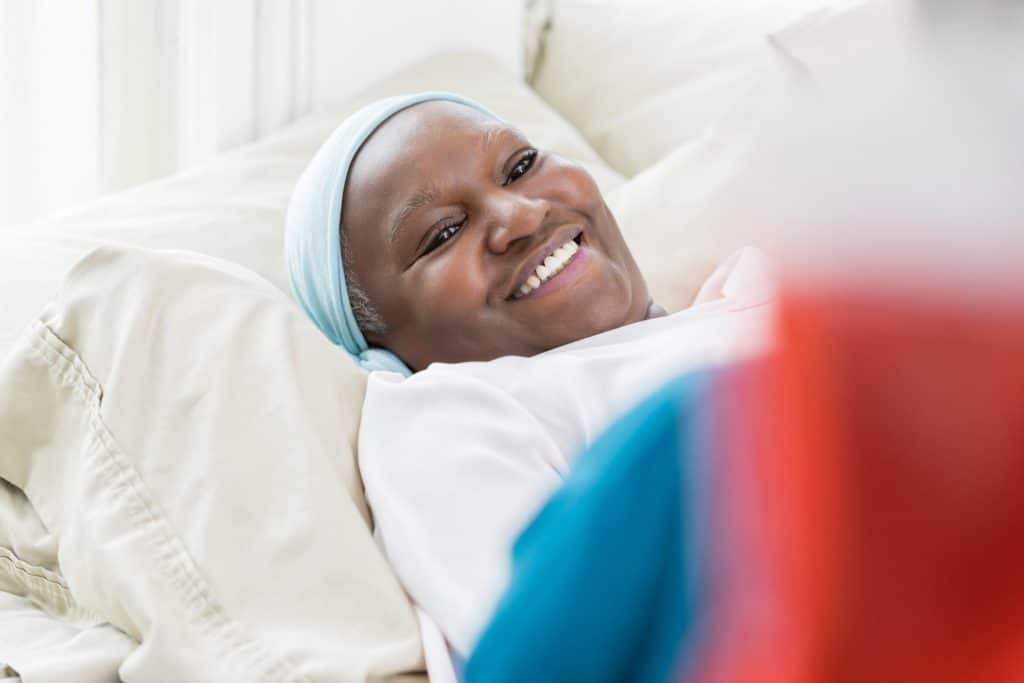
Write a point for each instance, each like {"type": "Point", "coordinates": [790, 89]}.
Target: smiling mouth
{"type": "Point", "coordinates": [552, 265]}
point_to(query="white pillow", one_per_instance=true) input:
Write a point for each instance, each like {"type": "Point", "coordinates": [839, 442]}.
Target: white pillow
{"type": "Point", "coordinates": [679, 216]}
{"type": "Point", "coordinates": [641, 78]}
{"type": "Point", "coordinates": [187, 437]}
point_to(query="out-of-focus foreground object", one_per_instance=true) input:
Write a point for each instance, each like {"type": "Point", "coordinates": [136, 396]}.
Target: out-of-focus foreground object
{"type": "Point", "coordinates": [845, 509]}
{"type": "Point", "coordinates": [886, 438]}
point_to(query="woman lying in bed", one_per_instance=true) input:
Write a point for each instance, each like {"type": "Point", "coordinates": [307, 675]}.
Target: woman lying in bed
{"type": "Point", "coordinates": [428, 238]}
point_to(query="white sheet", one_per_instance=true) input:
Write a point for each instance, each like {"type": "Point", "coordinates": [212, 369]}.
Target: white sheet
{"type": "Point", "coordinates": [39, 648]}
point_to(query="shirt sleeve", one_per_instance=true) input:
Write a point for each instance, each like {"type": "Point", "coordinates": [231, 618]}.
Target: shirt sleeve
{"type": "Point", "coordinates": [454, 468]}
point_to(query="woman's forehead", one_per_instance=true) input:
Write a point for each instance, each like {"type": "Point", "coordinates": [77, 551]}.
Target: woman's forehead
{"type": "Point", "coordinates": [418, 151]}
{"type": "Point", "coordinates": [429, 140]}
{"type": "Point", "coordinates": [413, 135]}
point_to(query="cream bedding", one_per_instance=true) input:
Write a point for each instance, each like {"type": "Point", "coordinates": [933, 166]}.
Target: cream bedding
{"type": "Point", "coordinates": [184, 438]}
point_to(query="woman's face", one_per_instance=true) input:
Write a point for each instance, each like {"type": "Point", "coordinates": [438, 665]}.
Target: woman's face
{"type": "Point", "coordinates": [447, 215]}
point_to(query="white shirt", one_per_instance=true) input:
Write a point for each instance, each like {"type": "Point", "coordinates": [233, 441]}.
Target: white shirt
{"type": "Point", "coordinates": [457, 458]}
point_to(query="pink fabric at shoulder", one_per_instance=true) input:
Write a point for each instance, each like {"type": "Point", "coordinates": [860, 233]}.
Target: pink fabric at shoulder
{"type": "Point", "coordinates": [746, 276]}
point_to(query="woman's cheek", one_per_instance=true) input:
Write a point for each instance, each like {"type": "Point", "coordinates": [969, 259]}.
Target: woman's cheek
{"type": "Point", "coordinates": [457, 285]}
{"type": "Point", "coordinates": [576, 187]}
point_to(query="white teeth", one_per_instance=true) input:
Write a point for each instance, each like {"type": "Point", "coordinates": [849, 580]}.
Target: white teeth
{"type": "Point", "coordinates": [552, 264]}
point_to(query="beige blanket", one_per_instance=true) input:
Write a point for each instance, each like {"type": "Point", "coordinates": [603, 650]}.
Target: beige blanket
{"type": "Point", "coordinates": [179, 499]}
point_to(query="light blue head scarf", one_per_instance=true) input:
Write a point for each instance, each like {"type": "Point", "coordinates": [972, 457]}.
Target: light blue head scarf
{"type": "Point", "coordinates": [312, 244]}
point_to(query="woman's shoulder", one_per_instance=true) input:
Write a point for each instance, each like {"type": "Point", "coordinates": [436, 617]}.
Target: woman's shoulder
{"type": "Point", "coordinates": [452, 413]}
{"type": "Point", "coordinates": [514, 401]}
{"type": "Point", "coordinates": [447, 393]}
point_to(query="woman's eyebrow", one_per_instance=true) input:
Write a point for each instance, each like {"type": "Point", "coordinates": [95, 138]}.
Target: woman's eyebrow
{"type": "Point", "coordinates": [425, 195]}
{"type": "Point", "coordinates": [421, 197]}
{"type": "Point", "coordinates": [492, 134]}
{"type": "Point", "coordinates": [495, 135]}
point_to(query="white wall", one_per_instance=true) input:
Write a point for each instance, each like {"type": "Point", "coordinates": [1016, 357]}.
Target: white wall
{"type": "Point", "coordinates": [99, 95]}
{"type": "Point", "coordinates": [48, 111]}
{"type": "Point", "coordinates": [392, 33]}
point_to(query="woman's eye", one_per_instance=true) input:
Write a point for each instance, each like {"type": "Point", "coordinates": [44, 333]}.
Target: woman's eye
{"type": "Point", "coordinates": [445, 234]}
{"type": "Point", "coordinates": [522, 166]}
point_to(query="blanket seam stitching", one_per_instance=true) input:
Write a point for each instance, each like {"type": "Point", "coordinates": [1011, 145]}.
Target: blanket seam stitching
{"type": "Point", "coordinates": [53, 591]}
{"type": "Point", "coordinates": [176, 562]}
{"type": "Point", "coordinates": [22, 567]}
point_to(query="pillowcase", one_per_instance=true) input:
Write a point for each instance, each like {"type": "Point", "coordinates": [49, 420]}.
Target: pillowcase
{"type": "Point", "coordinates": [641, 78]}
{"type": "Point", "coordinates": [187, 437]}
{"type": "Point", "coordinates": [680, 217]}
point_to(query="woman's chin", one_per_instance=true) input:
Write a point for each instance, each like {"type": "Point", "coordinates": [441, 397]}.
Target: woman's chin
{"type": "Point", "coordinates": [602, 315]}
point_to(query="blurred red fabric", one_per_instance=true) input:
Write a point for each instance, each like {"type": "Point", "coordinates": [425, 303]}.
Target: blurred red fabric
{"type": "Point", "coordinates": [870, 475]}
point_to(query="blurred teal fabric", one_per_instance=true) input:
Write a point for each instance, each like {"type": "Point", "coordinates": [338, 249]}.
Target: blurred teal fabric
{"type": "Point", "coordinates": [605, 580]}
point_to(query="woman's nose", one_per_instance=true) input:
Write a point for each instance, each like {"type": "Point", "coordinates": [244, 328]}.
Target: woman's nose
{"type": "Point", "coordinates": [515, 217]}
